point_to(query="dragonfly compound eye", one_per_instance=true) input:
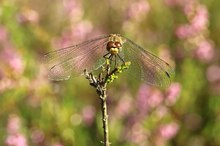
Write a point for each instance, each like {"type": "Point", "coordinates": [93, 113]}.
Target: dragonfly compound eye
{"type": "Point", "coordinates": [110, 45]}
{"type": "Point", "coordinates": [117, 44]}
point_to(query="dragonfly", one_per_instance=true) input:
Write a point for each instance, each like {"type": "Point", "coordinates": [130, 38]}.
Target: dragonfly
{"type": "Point", "coordinates": [92, 54]}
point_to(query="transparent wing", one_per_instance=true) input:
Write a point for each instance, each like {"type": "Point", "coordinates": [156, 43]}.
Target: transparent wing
{"type": "Point", "coordinates": [71, 61]}
{"type": "Point", "coordinates": [150, 68]}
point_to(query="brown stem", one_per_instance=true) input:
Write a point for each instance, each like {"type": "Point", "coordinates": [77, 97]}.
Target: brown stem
{"type": "Point", "coordinates": [103, 97]}
{"type": "Point", "coordinates": [100, 84]}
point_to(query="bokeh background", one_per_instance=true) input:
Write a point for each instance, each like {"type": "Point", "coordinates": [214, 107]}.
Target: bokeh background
{"type": "Point", "coordinates": [38, 112]}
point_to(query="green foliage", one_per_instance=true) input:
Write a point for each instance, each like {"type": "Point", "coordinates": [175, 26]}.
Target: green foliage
{"type": "Point", "coordinates": [118, 70]}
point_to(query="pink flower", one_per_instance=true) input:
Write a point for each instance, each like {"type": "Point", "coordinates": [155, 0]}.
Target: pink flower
{"type": "Point", "coordinates": [181, 3]}
{"type": "Point", "coordinates": [37, 136]}
{"type": "Point", "coordinates": [3, 34]}
{"type": "Point", "coordinates": [70, 5]}
{"type": "Point", "coordinates": [213, 73]}
{"type": "Point", "coordinates": [136, 134]}
{"type": "Point", "coordinates": [28, 16]}
{"type": "Point", "coordinates": [16, 140]}
{"type": "Point", "coordinates": [148, 97]}
{"type": "Point", "coordinates": [168, 131]}
{"type": "Point", "coordinates": [13, 124]}
{"type": "Point", "coordinates": [143, 93]}
{"type": "Point", "coordinates": [88, 114]}
{"type": "Point", "coordinates": [205, 51]}
{"type": "Point", "coordinates": [16, 64]}
{"type": "Point", "coordinates": [6, 83]}
{"type": "Point", "coordinates": [14, 137]}
{"type": "Point", "coordinates": [155, 99]}
{"type": "Point", "coordinates": [188, 8]}
{"type": "Point", "coordinates": [77, 33]}
{"type": "Point", "coordinates": [13, 59]}
{"type": "Point", "coordinates": [8, 54]}
{"type": "Point", "coordinates": [185, 31]}
{"type": "Point", "coordinates": [200, 20]}
{"type": "Point", "coordinates": [172, 93]}
{"type": "Point", "coordinates": [73, 9]}
{"type": "Point", "coordinates": [161, 111]}
{"type": "Point", "coordinates": [124, 106]}
{"type": "Point", "coordinates": [58, 144]}
{"type": "Point", "coordinates": [138, 9]}
{"type": "Point", "coordinates": [82, 29]}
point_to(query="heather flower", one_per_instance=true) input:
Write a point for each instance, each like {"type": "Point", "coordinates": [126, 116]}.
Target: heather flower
{"type": "Point", "coordinates": [143, 93]}
{"type": "Point", "coordinates": [181, 3]}
{"type": "Point", "coordinates": [161, 111]}
{"type": "Point", "coordinates": [16, 140]}
{"type": "Point", "coordinates": [138, 9]}
{"type": "Point", "coordinates": [173, 93]}
{"type": "Point", "coordinates": [6, 83]}
{"type": "Point", "coordinates": [195, 32]}
{"type": "Point", "coordinates": [168, 131]}
{"type": "Point", "coordinates": [28, 16]}
{"type": "Point", "coordinates": [14, 124]}
{"type": "Point", "coordinates": [14, 137]}
{"type": "Point", "coordinates": [213, 73]}
{"type": "Point", "coordinates": [58, 144]}
{"type": "Point", "coordinates": [81, 30]}
{"type": "Point", "coordinates": [200, 20]}
{"type": "Point", "coordinates": [70, 5]}
{"type": "Point", "coordinates": [77, 32]}
{"type": "Point", "coordinates": [73, 9]}
{"type": "Point", "coordinates": [3, 34]}
{"type": "Point", "coordinates": [88, 115]}
{"type": "Point", "coordinates": [16, 63]}
{"type": "Point", "coordinates": [137, 134]}
{"type": "Point", "coordinates": [124, 106]}
{"type": "Point", "coordinates": [10, 57]}
{"type": "Point", "coordinates": [189, 8]}
{"type": "Point", "coordinates": [148, 98]}
{"type": "Point", "coordinates": [185, 31]}
{"type": "Point", "coordinates": [155, 99]}
{"type": "Point", "coordinates": [7, 53]}
{"type": "Point", "coordinates": [37, 136]}
{"type": "Point", "coordinates": [204, 51]}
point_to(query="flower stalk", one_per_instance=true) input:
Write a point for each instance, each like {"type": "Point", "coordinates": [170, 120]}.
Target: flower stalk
{"type": "Point", "coordinates": [105, 76]}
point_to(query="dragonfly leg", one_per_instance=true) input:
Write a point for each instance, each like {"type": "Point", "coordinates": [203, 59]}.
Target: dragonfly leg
{"type": "Point", "coordinates": [120, 58]}
{"type": "Point", "coordinates": [110, 58]}
{"type": "Point", "coordinates": [115, 61]}
{"type": "Point", "coordinates": [105, 56]}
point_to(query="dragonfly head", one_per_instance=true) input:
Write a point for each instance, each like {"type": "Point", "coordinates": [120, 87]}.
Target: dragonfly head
{"type": "Point", "coordinates": [113, 47]}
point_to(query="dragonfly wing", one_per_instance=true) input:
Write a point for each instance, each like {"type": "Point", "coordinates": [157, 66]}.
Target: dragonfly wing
{"type": "Point", "coordinates": [150, 68]}
{"type": "Point", "coordinates": [74, 59]}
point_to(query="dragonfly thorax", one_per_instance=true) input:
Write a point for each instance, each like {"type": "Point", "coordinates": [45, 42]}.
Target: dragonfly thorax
{"type": "Point", "coordinates": [113, 47]}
